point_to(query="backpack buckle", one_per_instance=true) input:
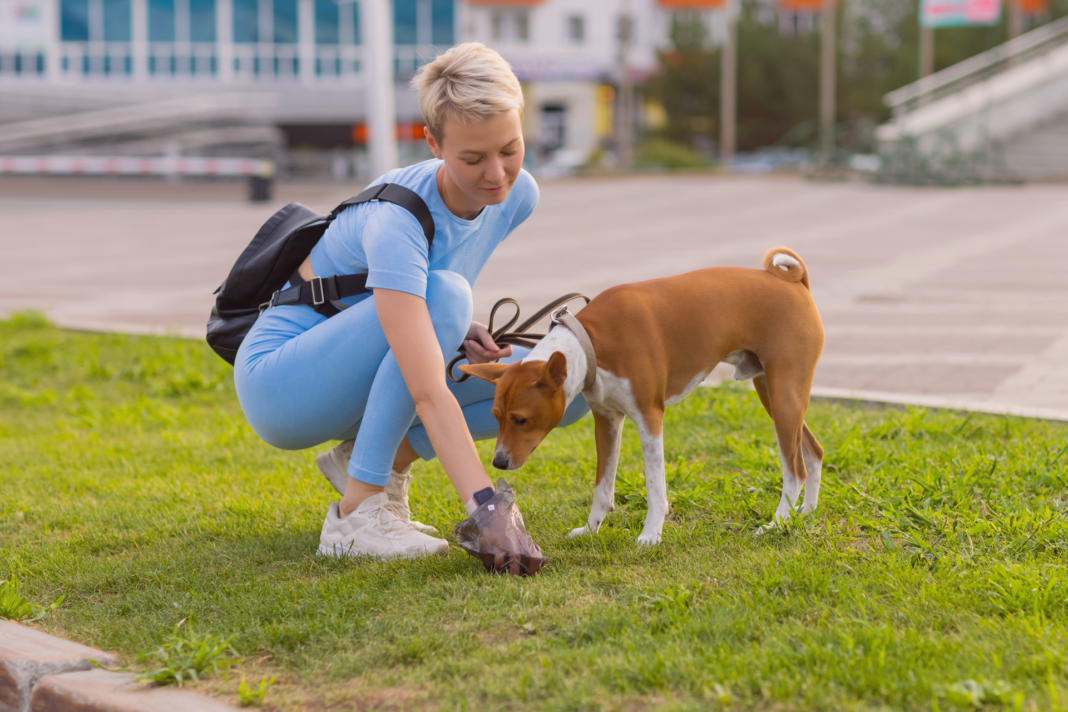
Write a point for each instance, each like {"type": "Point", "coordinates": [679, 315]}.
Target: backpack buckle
{"type": "Point", "coordinates": [270, 302]}
{"type": "Point", "coordinates": [318, 295]}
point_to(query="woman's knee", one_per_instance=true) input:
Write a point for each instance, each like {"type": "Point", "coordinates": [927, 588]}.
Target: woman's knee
{"type": "Point", "coordinates": [448, 299]}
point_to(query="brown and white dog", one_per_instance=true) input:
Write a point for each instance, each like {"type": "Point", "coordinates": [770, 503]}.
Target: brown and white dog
{"type": "Point", "coordinates": [654, 343]}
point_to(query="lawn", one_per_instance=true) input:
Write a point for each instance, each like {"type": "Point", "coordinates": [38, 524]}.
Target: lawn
{"type": "Point", "coordinates": [931, 577]}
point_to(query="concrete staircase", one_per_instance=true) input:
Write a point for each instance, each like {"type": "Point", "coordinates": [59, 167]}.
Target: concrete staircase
{"type": "Point", "coordinates": [1010, 102]}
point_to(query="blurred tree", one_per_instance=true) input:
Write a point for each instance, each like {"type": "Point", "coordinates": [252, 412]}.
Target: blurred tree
{"type": "Point", "coordinates": [778, 74]}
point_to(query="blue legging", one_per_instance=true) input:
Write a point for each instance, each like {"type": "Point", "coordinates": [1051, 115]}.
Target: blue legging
{"type": "Point", "coordinates": [303, 379]}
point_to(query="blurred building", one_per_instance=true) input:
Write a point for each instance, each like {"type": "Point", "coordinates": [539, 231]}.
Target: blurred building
{"type": "Point", "coordinates": [214, 77]}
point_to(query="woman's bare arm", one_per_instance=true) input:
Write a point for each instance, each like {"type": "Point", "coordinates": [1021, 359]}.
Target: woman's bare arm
{"type": "Point", "coordinates": [410, 333]}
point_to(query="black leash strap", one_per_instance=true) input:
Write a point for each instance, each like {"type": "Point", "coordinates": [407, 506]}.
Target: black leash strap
{"type": "Point", "coordinates": [519, 337]}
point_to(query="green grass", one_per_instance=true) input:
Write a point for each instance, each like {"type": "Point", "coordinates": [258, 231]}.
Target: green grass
{"type": "Point", "coordinates": [933, 576]}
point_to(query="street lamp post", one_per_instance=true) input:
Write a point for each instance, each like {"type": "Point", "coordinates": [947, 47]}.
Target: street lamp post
{"type": "Point", "coordinates": [624, 126]}
{"type": "Point", "coordinates": [728, 87]}
{"type": "Point", "coordinates": [381, 102]}
{"type": "Point", "coordinates": [828, 69]}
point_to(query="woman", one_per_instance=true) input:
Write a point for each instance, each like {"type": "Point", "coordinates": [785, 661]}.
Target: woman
{"type": "Point", "coordinates": [364, 375]}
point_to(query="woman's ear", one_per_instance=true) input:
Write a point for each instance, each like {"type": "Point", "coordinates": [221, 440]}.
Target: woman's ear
{"type": "Point", "coordinates": [432, 142]}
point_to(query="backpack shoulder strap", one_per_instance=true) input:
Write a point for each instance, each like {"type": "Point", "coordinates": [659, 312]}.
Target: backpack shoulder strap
{"type": "Point", "coordinates": [398, 195]}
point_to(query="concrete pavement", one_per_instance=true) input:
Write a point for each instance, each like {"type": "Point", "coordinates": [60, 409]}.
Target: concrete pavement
{"type": "Point", "coordinates": [933, 296]}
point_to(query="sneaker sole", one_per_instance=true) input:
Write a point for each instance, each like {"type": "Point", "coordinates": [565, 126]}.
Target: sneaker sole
{"type": "Point", "coordinates": [333, 552]}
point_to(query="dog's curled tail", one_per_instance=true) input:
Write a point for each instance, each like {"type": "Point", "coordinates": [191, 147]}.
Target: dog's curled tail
{"type": "Point", "coordinates": [785, 264]}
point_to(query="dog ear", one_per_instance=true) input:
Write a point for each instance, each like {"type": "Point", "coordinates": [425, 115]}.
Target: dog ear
{"type": "Point", "coordinates": [554, 372]}
{"type": "Point", "coordinates": [486, 371]}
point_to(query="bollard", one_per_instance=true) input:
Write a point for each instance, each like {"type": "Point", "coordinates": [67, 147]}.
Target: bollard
{"type": "Point", "coordinates": [261, 182]}
{"type": "Point", "coordinates": [259, 189]}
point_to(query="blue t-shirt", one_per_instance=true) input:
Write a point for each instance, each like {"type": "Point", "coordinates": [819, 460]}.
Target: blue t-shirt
{"type": "Point", "coordinates": [387, 243]}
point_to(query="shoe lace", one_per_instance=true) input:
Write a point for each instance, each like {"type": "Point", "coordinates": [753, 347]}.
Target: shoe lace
{"type": "Point", "coordinates": [391, 516]}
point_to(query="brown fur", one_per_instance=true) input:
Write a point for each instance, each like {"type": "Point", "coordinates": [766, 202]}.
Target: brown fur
{"type": "Point", "coordinates": [660, 334]}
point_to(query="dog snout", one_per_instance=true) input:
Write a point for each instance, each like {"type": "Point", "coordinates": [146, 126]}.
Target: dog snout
{"type": "Point", "coordinates": [502, 461]}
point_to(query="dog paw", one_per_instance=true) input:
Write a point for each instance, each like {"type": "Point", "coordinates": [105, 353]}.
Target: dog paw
{"type": "Point", "coordinates": [648, 538]}
{"type": "Point", "coordinates": [769, 527]}
{"type": "Point", "coordinates": [585, 529]}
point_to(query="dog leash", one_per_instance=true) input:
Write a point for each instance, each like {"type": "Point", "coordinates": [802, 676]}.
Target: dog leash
{"type": "Point", "coordinates": [519, 337]}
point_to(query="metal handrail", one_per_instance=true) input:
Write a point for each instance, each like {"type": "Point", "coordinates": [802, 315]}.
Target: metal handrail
{"type": "Point", "coordinates": [154, 115]}
{"type": "Point", "coordinates": [974, 69]}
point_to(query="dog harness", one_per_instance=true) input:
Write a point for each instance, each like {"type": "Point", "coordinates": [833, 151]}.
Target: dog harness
{"type": "Point", "coordinates": [569, 322]}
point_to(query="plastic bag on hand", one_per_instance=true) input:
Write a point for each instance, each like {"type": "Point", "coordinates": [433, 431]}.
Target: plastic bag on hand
{"type": "Point", "coordinates": [496, 535]}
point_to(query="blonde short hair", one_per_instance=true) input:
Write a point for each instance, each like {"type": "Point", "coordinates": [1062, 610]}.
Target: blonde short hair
{"type": "Point", "coordinates": [469, 82]}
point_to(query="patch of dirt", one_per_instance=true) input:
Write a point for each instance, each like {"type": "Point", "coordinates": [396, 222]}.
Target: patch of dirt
{"type": "Point", "coordinates": [353, 695]}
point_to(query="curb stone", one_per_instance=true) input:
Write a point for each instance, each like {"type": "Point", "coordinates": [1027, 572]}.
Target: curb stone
{"type": "Point", "coordinates": [103, 691]}
{"type": "Point", "coordinates": [27, 655]}
{"type": "Point", "coordinates": [43, 673]}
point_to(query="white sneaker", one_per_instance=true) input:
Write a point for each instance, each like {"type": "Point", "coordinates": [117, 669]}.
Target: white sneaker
{"type": "Point", "coordinates": [375, 529]}
{"type": "Point", "coordinates": [334, 464]}
{"type": "Point", "coordinates": [397, 491]}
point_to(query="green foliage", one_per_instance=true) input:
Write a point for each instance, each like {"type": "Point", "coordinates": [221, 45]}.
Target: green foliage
{"type": "Point", "coordinates": [28, 320]}
{"type": "Point", "coordinates": [15, 607]}
{"type": "Point", "coordinates": [932, 576]}
{"type": "Point", "coordinates": [188, 657]}
{"type": "Point", "coordinates": [254, 696]}
{"type": "Point", "coordinates": [659, 153]}
{"type": "Point", "coordinates": [779, 73]}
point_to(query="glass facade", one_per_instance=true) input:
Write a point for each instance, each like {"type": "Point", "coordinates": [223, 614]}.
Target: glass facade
{"type": "Point", "coordinates": [327, 22]}
{"type": "Point", "coordinates": [406, 22]}
{"type": "Point", "coordinates": [284, 17]}
{"type": "Point", "coordinates": [442, 22]}
{"type": "Point", "coordinates": [246, 21]}
{"type": "Point", "coordinates": [182, 37]}
{"type": "Point", "coordinates": [74, 20]}
{"type": "Point", "coordinates": [202, 20]}
{"type": "Point", "coordinates": [161, 21]}
{"type": "Point", "coordinates": [117, 20]}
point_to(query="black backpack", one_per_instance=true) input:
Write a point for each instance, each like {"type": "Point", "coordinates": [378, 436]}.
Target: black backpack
{"type": "Point", "coordinates": [273, 258]}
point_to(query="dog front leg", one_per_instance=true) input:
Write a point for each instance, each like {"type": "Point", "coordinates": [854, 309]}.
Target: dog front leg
{"type": "Point", "coordinates": [608, 431]}
{"type": "Point", "coordinates": [651, 432]}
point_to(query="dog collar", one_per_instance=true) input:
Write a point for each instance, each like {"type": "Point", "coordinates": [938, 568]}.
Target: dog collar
{"type": "Point", "coordinates": [568, 320]}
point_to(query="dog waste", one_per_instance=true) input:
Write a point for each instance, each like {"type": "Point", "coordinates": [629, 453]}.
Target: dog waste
{"type": "Point", "coordinates": [495, 534]}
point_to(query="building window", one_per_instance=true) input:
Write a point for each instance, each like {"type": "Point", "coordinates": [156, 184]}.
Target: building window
{"type": "Point", "coordinates": [356, 23]}
{"type": "Point", "coordinates": [285, 21]}
{"type": "Point", "coordinates": [116, 20]}
{"type": "Point", "coordinates": [74, 20]}
{"type": "Point", "coordinates": [327, 24]}
{"type": "Point", "coordinates": [405, 22]}
{"type": "Point", "coordinates": [553, 127]}
{"type": "Point", "coordinates": [576, 29]}
{"type": "Point", "coordinates": [442, 22]}
{"type": "Point", "coordinates": [510, 25]}
{"type": "Point", "coordinates": [161, 20]}
{"type": "Point", "coordinates": [202, 21]}
{"type": "Point", "coordinates": [246, 21]}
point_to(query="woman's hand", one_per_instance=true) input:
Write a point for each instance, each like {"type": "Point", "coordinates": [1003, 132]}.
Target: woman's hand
{"type": "Point", "coordinates": [480, 347]}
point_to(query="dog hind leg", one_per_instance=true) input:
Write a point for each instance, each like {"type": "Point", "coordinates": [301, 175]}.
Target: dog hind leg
{"type": "Point", "coordinates": [787, 408]}
{"type": "Point", "coordinates": [813, 453]}
{"type": "Point", "coordinates": [608, 431]}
